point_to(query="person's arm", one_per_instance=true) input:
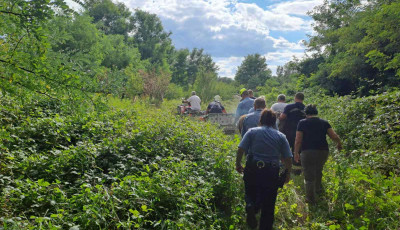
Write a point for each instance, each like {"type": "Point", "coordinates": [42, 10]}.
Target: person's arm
{"type": "Point", "coordinates": [332, 134]}
{"type": "Point", "coordinates": [297, 145]}
{"type": "Point", "coordinates": [286, 157]}
{"type": "Point", "coordinates": [240, 125]}
{"type": "Point", "coordinates": [287, 161]}
{"type": "Point", "coordinates": [282, 117]}
{"type": "Point", "coordinates": [239, 155]}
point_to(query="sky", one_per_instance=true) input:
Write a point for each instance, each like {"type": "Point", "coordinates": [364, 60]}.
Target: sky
{"type": "Point", "coordinates": [229, 30]}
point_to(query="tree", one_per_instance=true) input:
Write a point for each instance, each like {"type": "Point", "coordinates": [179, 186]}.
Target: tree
{"type": "Point", "coordinates": [205, 84]}
{"type": "Point", "coordinates": [253, 71]}
{"type": "Point", "coordinates": [359, 46]}
{"type": "Point", "coordinates": [180, 67]}
{"type": "Point", "coordinates": [149, 36]}
{"type": "Point", "coordinates": [110, 17]}
{"type": "Point", "coordinates": [155, 83]}
{"type": "Point", "coordinates": [198, 60]}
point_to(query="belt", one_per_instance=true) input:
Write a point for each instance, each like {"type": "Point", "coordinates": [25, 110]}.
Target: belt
{"type": "Point", "coordinates": [262, 164]}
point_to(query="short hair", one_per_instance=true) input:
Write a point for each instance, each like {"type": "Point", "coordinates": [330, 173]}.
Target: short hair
{"type": "Point", "coordinates": [250, 91]}
{"type": "Point", "coordinates": [281, 97]}
{"type": "Point", "coordinates": [311, 109]}
{"type": "Point", "coordinates": [245, 93]}
{"type": "Point", "coordinates": [268, 118]}
{"type": "Point", "coordinates": [193, 92]}
{"type": "Point", "coordinates": [299, 96]}
{"type": "Point", "coordinates": [259, 103]}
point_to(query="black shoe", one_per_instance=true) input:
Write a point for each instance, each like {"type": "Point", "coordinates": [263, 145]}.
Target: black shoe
{"type": "Point", "coordinates": [251, 217]}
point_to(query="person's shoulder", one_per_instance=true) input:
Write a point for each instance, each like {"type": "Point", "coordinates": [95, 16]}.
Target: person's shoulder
{"type": "Point", "coordinates": [255, 129]}
{"type": "Point", "coordinates": [323, 121]}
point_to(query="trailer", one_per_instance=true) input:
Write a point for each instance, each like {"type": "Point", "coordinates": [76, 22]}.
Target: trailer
{"type": "Point", "coordinates": [225, 120]}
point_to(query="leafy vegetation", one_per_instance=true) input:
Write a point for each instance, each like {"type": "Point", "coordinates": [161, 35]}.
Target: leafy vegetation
{"type": "Point", "coordinates": [120, 166]}
{"type": "Point", "coordinates": [85, 142]}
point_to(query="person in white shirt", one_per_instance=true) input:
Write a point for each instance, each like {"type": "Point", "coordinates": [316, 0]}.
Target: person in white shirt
{"type": "Point", "coordinates": [279, 107]}
{"type": "Point", "coordinates": [194, 101]}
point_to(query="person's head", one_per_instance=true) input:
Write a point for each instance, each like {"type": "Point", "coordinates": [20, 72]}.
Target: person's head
{"type": "Point", "coordinates": [193, 93]}
{"type": "Point", "coordinates": [259, 103]}
{"type": "Point", "coordinates": [251, 93]}
{"type": "Point", "coordinates": [311, 110]}
{"type": "Point", "coordinates": [241, 91]}
{"type": "Point", "coordinates": [245, 94]}
{"type": "Point", "coordinates": [217, 98]}
{"type": "Point", "coordinates": [281, 98]}
{"type": "Point", "coordinates": [268, 118]}
{"type": "Point", "coordinates": [299, 97]}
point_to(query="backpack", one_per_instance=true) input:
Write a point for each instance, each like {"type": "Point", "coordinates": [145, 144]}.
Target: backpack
{"type": "Point", "coordinates": [216, 107]}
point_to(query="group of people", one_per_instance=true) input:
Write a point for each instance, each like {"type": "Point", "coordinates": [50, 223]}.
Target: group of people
{"type": "Point", "coordinates": [214, 106]}
{"type": "Point", "coordinates": [285, 134]}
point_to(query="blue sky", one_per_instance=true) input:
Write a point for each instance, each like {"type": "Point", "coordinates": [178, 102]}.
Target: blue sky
{"type": "Point", "coordinates": [229, 30]}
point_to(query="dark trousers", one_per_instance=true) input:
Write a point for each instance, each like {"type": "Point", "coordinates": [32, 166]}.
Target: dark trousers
{"type": "Point", "coordinates": [313, 162]}
{"type": "Point", "coordinates": [261, 191]}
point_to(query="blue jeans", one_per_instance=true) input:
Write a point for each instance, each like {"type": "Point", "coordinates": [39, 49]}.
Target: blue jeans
{"type": "Point", "coordinates": [261, 187]}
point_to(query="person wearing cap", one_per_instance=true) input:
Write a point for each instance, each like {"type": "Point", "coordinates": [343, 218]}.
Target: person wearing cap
{"type": "Point", "coordinates": [194, 101]}
{"type": "Point", "coordinates": [215, 106]}
{"type": "Point", "coordinates": [265, 147]}
{"type": "Point", "coordinates": [241, 93]}
{"type": "Point", "coordinates": [311, 140]}
{"type": "Point", "coordinates": [244, 105]}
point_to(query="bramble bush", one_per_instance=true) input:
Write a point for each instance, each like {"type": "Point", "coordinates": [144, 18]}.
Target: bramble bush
{"type": "Point", "coordinates": [125, 166]}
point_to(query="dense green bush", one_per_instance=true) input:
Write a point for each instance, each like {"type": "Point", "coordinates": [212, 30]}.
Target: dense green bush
{"type": "Point", "coordinates": [124, 166]}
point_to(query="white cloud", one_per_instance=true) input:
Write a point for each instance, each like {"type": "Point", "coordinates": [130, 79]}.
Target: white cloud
{"type": "Point", "coordinates": [228, 66]}
{"type": "Point", "coordinates": [229, 30]}
{"type": "Point", "coordinates": [298, 7]}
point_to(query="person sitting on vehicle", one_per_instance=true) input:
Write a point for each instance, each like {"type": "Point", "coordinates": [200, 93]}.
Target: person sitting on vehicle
{"type": "Point", "coordinates": [215, 106]}
{"type": "Point", "coordinates": [244, 106]}
{"type": "Point", "coordinates": [194, 101]}
{"type": "Point", "coordinates": [253, 119]}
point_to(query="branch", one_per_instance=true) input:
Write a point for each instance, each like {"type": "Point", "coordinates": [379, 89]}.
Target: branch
{"type": "Point", "coordinates": [16, 46]}
{"type": "Point", "coordinates": [37, 91]}
{"type": "Point", "coordinates": [13, 13]}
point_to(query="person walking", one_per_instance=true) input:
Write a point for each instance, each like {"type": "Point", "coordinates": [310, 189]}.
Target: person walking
{"type": "Point", "coordinates": [291, 116]}
{"type": "Point", "coordinates": [311, 140]}
{"type": "Point", "coordinates": [253, 119]}
{"type": "Point", "coordinates": [244, 105]}
{"type": "Point", "coordinates": [265, 147]}
{"type": "Point", "coordinates": [278, 108]}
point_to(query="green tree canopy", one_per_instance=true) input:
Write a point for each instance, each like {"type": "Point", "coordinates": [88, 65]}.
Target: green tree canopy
{"type": "Point", "coordinates": [253, 71]}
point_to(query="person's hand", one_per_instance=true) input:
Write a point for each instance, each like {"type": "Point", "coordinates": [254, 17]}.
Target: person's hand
{"type": "Point", "coordinates": [297, 157]}
{"type": "Point", "coordinates": [239, 168]}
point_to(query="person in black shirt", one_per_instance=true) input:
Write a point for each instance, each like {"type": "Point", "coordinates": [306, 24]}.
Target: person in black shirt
{"type": "Point", "coordinates": [311, 140]}
{"type": "Point", "coordinates": [291, 116]}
